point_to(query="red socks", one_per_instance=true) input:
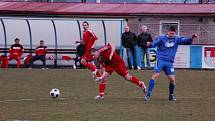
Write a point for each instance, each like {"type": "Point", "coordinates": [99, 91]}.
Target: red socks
{"type": "Point", "coordinates": [137, 82]}
{"type": "Point", "coordinates": [18, 63]}
{"type": "Point", "coordinates": [102, 86]}
{"type": "Point", "coordinates": [91, 66]}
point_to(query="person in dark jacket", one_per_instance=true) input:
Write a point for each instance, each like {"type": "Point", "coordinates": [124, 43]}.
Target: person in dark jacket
{"type": "Point", "coordinates": [129, 41]}
{"type": "Point", "coordinates": [142, 40]}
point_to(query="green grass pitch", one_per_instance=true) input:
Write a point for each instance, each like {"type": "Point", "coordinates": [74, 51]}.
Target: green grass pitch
{"type": "Point", "coordinates": [24, 96]}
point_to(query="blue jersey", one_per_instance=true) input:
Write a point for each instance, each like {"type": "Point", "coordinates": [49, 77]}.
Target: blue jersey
{"type": "Point", "coordinates": [167, 47]}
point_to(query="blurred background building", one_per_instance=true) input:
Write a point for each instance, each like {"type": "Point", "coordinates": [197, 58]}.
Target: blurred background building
{"type": "Point", "coordinates": [123, 1]}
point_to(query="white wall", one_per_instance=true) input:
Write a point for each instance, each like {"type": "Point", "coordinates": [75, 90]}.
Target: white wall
{"type": "Point", "coordinates": [113, 32]}
{"type": "Point", "coordinates": [17, 29]}
{"type": "Point", "coordinates": [42, 30]}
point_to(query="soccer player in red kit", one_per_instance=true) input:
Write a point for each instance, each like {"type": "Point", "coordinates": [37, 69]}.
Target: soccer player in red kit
{"type": "Point", "coordinates": [111, 61]}
{"type": "Point", "coordinates": [16, 51]}
{"type": "Point", "coordinates": [88, 41]}
{"type": "Point", "coordinates": [40, 54]}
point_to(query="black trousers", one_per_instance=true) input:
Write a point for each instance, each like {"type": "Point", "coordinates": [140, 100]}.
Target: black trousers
{"type": "Point", "coordinates": [38, 57]}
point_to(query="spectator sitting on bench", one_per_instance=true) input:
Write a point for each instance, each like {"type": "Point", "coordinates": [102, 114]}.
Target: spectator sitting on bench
{"type": "Point", "coordinates": [40, 54]}
{"type": "Point", "coordinates": [16, 51]}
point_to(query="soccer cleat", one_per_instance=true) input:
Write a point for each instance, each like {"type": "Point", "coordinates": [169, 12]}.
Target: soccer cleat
{"type": "Point", "coordinates": [97, 76]}
{"type": "Point", "coordinates": [98, 97]}
{"type": "Point", "coordinates": [97, 79]}
{"type": "Point", "coordinates": [143, 87]}
{"type": "Point", "coordinates": [144, 90]}
{"type": "Point", "coordinates": [146, 98]}
{"type": "Point", "coordinates": [138, 68]}
{"type": "Point", "coordinates": [94, 73]}
{"type": "Point", "coordinates": [172, 97]}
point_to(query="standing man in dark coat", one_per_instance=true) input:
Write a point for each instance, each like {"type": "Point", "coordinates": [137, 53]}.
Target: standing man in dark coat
{"type": "Point", "coordinates": [129, 41]}
{"type": "Point", "coordinates": [143, 38]}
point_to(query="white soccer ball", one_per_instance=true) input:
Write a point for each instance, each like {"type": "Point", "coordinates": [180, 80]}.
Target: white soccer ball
{"type": "Point", "coordinates": [54, 93]}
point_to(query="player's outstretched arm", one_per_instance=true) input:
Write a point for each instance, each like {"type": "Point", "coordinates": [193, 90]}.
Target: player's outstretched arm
{"type": "Point", "coordinates": [186, 41]}
{"type": "Point", "coordinates": [80, 41]}
{"type": "Point", "coordinates": [113, 48]}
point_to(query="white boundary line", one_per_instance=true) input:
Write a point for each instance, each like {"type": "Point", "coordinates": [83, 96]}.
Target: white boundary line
{"type": "Point", "coordinates": [28, 99]}
{"type": "Point", "coordinates": [39, 99]}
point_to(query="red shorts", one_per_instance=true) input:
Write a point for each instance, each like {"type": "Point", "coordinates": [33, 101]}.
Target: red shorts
{"type": "Point", "coordinates": [16, 57]}
{"type": "Point", "coordinates": [119, 68]}
{"type": "Point", "coordinates": [87, 57]}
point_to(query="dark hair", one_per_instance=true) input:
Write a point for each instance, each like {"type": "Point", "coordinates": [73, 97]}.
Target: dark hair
{"type": "Point", "coordinates": [172, 28]}
{"type": "Point", "coordinates": [85, 22]}
{"type": "Point", "coordinates": [16, 39]}
{"type": "Point", "coordinates": [93, 50]}
{"type": "Point", "coordinates": [80, 50]}
{"type": "Point", "coordinates": [41, 41]}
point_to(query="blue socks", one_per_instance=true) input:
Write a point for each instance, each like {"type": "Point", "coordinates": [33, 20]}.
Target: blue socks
{"type": "Point", "coordinates": [152, 84]}
{"type": "Point", "coordinates": [171, 88]}
{"type": "Point", "coordinates": [150, 88]}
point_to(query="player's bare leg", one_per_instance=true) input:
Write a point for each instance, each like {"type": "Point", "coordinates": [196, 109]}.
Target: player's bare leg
{"type": "Point", "coordinates": [88, 64]}
{"type": "Point", "coordinates": [102, 86]}
{"type": "Point", "coordinates": [171, 87]}
{"type": "Point", "coordinates": [136, 81]}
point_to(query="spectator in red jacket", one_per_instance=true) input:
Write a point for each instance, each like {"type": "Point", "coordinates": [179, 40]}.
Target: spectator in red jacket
{"type": "Point", "coordinates": [40, 54]}
{"type": "Point", "coordinates": [16, 51]}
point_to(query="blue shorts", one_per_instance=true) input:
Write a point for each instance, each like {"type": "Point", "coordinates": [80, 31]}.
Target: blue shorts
{"type": "Point", "coordinates": [166, 66]}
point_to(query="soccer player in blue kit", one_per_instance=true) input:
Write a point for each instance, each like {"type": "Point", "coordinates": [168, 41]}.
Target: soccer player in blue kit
{"type": "Point", "coordinates": [166, 49]}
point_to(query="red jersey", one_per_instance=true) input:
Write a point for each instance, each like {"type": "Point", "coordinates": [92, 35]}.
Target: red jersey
{"type": "Point", "coordinates": [109, 57]}
{"type": "Point", "coordinates": [16, 50]}
{"type": "Point", "coordinates": [41, 50]}
{"type": "Point", "coordinates": [111, 61]}
{"type": "Point", "coordinates": [89, 39]}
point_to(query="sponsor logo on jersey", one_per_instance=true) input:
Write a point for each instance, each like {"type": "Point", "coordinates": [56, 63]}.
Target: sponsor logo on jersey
{"type": "Point", "coordinates": [16, 48]}
{"type": "Point", "coordinates": [169, 44]}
